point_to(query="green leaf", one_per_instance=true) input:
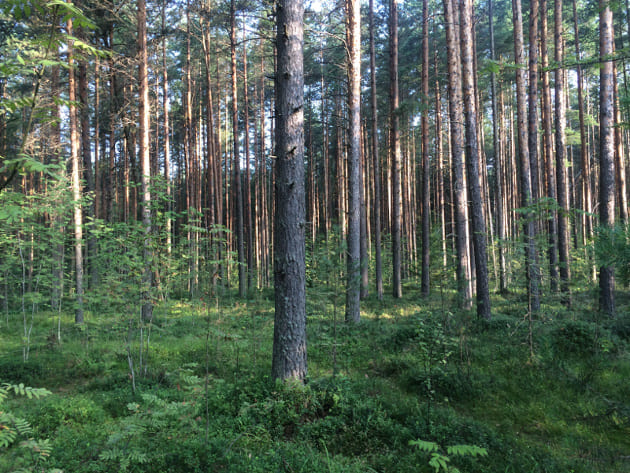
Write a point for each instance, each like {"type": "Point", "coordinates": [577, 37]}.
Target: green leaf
{"type": "Point", "coordinates": [424, 445]}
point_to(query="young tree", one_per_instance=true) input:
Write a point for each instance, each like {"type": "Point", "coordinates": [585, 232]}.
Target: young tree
{"type": "Point", "coordinates": [289, 338]}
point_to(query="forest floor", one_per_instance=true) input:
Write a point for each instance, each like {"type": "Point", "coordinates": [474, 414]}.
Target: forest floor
{"type": "Point", "coordinates": [552, 395]}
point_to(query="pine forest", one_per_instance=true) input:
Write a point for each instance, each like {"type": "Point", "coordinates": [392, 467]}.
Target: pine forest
{"type": "Point", "coordinates": [314, 236]}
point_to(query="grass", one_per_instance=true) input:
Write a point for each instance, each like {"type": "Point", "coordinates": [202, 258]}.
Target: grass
{"type": "Point", "coordinates": [413, 369]}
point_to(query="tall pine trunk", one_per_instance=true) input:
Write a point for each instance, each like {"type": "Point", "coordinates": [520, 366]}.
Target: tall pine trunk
{"type": "Point", "coordinates": [472, 155]}
{"type": "Point", "coordinates": [606, 150]}
{"type": "Point", "coordinates": [289, 338]}
{"type": "Point", "coordinates": [395, 152]}
{"type": "Point", "coordinates": [353, 305]}
{"type": "Point", "coordinates": [460, 195]}
{"type": "Point", "coordinates": [532, 273]}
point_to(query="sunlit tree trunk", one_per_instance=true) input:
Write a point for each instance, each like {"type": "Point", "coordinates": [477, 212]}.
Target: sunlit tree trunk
{"type": "Point", "coordinates": [145, 161]}
{"type": "Point", "coordinates": [561, 156]}
{"type": "Point", "coordinates": [76, 183]}
{"type": "Point", "coordinates": [353, 305]}
{"type": "Point", "coordinates": [606, 150]}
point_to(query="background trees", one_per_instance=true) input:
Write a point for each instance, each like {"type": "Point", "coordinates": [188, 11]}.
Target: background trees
{"type": "Point", "coordinates": [186, 149]}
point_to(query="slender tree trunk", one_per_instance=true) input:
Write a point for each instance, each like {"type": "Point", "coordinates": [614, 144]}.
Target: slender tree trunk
{"type": "Point", "coordinates": [426, 170]}
{"type": "Point", "coordinates": [606, 150]}
{"type": "Point", "coordinates": [584, 155]}
{"type": "Point", "coordinates": [561, 156]}
{"type": "Point", "coordinates": [88, 175]}
{"type": "Point", "coordinates": [395, 151]}
{"type": "Point", "coordinates": [533, 275]}
{"type": "Point", "coordinates": [76, 183]}
{"type": "Point", "coordinates": [498, 161]}
{"type": "Point", "coordinates": [248, 191]}
{"type": "Point", "coordinates": [167, 135]}
{"type": "Point", "coordinates": [353, 305]}
{"type": "Point", "coordinates": [620, 161]}
{"type": "Point", "coordinates": [238, 193]}
{"type": "Point", "coordinates": [548, 152]}
{"type": "Point", "coordinates": [532, 97]}
{"type": "Point", "coordinates": [472, 154]}
{"type": "Point", "coordinates": [145, 162]}
{"type": "Point", "coordinates": [460, 196]}
{"type": "Point", "coordinates": [376, 162]}
{"type": "Point", "coordinates": [289, 341]}
{"type": "Point", "coordinates": [58, 223]}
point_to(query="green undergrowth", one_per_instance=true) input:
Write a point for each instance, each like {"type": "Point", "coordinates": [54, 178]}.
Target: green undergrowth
{"type": "Point", "coordinates": [415, 372]}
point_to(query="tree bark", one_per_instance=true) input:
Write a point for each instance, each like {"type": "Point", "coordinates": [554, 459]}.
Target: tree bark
{"type": "Point", "coordinates": [426, 170]}
{"type": "Point", "coordinates": [289, 340]}
{"type": "Point", "coordinates": [460, 195]}
{"type": "Point", "coordinates": [76, 183]}
{"type": "Point", "coordinates": [353, 261]}
{"type": "Point", "coordinates": [472, 154]}
{"type": "Point", "coordinates": [561, 156]}
{"type": "Point", "coordinates": [548, 152]}
{"type": "Point", "coordinates": [533, 276]}
{"type": "Point", "coordinates": [238, 193]}
{"type": "Point", "coordinates": [376, 163]}
{"type": "Point", "coordinates": [145, 162]}
{"type": "Point", "coordinates": [606, 150]}
{"type": "Point", "coordinates": [395, 151]}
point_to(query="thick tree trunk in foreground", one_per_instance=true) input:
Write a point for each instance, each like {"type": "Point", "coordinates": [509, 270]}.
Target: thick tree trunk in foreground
{"type": "Point", "coordinates": [353, 304]}
{"type": "Point", "coordinates": [289, 338]}
{"type": "Point", "coordinates": [606, 151]}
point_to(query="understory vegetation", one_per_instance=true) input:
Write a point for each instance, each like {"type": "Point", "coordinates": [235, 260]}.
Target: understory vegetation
{"type": "Point", "coordinates": [550, 396]}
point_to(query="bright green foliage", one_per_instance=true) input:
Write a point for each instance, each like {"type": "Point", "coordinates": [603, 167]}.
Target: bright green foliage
{"type": "Point", "coordinates": [440, 460]}
{"type": "Point", "coordinates": [29, 454]}
{"type": "Point", "coordinates": [612, 248]}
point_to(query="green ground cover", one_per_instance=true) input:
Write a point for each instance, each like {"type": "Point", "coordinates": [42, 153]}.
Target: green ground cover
{"type": "Point", "coordinates": [414, 369]}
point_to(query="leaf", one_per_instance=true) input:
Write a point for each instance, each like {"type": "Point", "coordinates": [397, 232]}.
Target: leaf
{"type": "Point", "coordinates": [424, 445]}
{"type": "Point", "coordinates": [467, 450]}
